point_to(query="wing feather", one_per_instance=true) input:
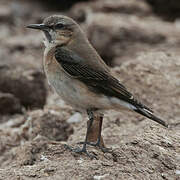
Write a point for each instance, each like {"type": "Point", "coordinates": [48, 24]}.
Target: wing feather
{"type": "Point", "coordinates": [100, 81]}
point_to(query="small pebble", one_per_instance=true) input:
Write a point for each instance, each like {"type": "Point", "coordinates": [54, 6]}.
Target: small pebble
{"type": "Point", "coordinates": [77, 117]}
{"type": "Point", "coordinates": [100, 177]}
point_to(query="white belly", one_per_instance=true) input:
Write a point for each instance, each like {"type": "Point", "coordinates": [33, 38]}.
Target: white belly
{"type": "Point", "coordinates": [76, 93]}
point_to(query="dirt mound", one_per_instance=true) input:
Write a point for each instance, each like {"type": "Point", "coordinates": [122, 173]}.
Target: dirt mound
{"type": "Point", "coordinates": [9, 104]}
{"type": "Point", "coordinates": [167, 9]}
{"type": "Point", "coordinates": [126, 33]}
{"type": "Point", "coordinates": [25, 86]}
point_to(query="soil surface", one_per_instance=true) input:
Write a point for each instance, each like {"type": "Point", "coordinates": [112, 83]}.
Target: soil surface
{"type": "Point", "coordinates": [142, 49]}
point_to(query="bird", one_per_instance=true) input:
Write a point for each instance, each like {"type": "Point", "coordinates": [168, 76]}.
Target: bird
{"type": "Point", "coordinates": [80, 77]}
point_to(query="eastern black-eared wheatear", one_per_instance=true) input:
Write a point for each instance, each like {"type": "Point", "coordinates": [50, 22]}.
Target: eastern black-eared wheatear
{"type": "Point", "coordinates": [79, 75]}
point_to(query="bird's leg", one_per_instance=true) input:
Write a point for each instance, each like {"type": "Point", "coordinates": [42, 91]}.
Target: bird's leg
{"type": "Point", "coordinates": [84, 150]}
{"type": "Point", "coordinates": [99, 133]}
{"type": "Point", "coordinates": [99, 143]}
{"type": "Point", "coordinates": [91, 119]}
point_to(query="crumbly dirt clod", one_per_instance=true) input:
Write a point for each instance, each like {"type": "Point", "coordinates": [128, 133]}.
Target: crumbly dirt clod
{"type": "Point", "coordinates": [9, 104]}
{"type": "Point", "coordinates": [28, 87]}
{"type": "Point", "coordinates": [52, 126]}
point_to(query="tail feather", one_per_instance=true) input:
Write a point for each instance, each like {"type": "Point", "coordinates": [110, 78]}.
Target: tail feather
{"type": "Point", "coordinates": [150, 115]}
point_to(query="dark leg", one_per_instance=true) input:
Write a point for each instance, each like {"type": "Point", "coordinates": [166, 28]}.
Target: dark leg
{"type": "Point", "coordinates": [91, 118]}
{"type": "Point", "coordinates": [99, 133]}
{"type": "Point", "coordinates": [98, 143]}
{"type": "Point", "coordinates": [84, 150]}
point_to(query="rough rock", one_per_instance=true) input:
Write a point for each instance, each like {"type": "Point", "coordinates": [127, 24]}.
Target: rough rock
{"type": "Point", "coordinates": [49, 125]}
{"type": "Point", "coordinates": [125, 34]}
{"type": "Point", "coordinates": [122, 36]}
{"type": "Point", "coordinates": [4, 14]}
{"type": "Point", "coordinates": [170, 10]}
{"type": "Point", "coordinates": [152, 70]}
{"type": "Point", "coordinates": [52, 161]}
{"type": "Point", "coordinates": [80, 10]}
{"type": "Point", "coordinates": [27, 154]}
{"type": "Point", "coordinates": [9, 104]}
{"type": "Point", "coordinates": [28, 87]}
{"type": "Point", "coordinates": [75, 118]}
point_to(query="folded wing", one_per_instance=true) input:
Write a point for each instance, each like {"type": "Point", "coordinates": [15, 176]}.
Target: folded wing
{"type": "Point", "coordinates": [99, 80]}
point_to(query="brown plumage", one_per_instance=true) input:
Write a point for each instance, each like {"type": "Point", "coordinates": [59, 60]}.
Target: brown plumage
{"type": "Point", "coordinates": [79, 75]}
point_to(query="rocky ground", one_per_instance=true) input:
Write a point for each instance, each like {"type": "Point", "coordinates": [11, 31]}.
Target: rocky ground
{"type": "Point", "coordinates": [140, 41]}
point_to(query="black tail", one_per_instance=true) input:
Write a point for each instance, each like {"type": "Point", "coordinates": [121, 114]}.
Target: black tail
{"type": "Point", "coordinates": [149, 114]}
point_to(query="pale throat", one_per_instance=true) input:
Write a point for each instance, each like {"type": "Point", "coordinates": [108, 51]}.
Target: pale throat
{"type": "Point", "coordinates": [45, 41]}
{"type": "Point", "coordinates": [49, 38]}
{"type": "Point", "coordinates": [61, 40]}
{"type": "Point", "coordinates": [48, 44]}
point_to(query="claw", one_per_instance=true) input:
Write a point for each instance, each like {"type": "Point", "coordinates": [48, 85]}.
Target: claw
{"type": "Point", "coordinates": [97, 144]}
{"type": "Point", "coordinates": [80, 150]}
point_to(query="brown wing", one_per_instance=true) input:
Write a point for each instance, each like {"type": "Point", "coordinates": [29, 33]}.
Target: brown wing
{"type": "Point", "coordinates": [99, 81]}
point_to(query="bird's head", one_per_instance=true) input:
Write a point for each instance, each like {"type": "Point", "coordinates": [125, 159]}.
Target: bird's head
{"type": "Point", "coordinates": [58, 29]}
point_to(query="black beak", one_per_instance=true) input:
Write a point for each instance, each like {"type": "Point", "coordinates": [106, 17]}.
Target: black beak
{"type": "Point", "coordinates": [37, 26]}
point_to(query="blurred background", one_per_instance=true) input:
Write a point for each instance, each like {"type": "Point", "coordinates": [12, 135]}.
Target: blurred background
{"type": "Point", "coordinates": [138, 39]}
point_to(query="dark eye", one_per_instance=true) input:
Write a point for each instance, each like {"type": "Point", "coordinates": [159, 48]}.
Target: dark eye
{"type": "Point", "coordinates": [59, 26]}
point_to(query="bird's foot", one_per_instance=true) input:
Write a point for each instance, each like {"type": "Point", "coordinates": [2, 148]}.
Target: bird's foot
{"type": "Point", "coordinates": [80, 150]}
{"type": "Point", "coordinates": [98, 144]}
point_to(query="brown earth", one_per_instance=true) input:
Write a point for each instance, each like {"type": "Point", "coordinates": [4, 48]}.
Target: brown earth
{"type": "Point", "coordinates": [143, 52]}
